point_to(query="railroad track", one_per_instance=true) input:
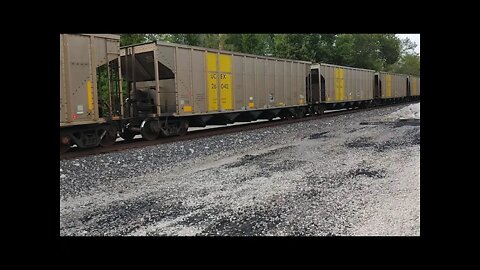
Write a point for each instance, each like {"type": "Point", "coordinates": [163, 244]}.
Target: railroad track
{"type": "Point", "coordinates": [191, 135]}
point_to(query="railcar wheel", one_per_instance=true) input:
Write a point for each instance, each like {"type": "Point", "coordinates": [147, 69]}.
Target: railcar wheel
{"type": "Point", "coordinates": [110, 136]}
{"type": "Point", "coordinates": [183, 130]}
{"type": "Point", "coordinates": [127, 135]}
{"type": "Point", "coordinates": [150, 129]}
{"type": "Point", "coordinates": [299, 113]}
{"type": "Point", "coordinates": [64, 143]}
{"type": "Point", "coordinates": [64, 148]}
{"type": "Point", "coordinates": [320, 110]}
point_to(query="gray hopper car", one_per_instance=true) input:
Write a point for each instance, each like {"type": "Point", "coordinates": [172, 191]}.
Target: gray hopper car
{"type": "Point", "coordinates": [391, 86]}
{"type": "Point", "coordinates": [200, 86]}
{"type": "Point", "coordinates": [80, 120]}
{"type": "Point", "coordinates": [414, 86]}
{"type": "Point", "coordinates": [193, 80]}
{"type": "Point", "coordinates": [338, 86]}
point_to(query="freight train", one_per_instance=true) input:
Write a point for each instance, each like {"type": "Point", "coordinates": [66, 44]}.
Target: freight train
{"type": "Point", "coordinates": [159, 89]}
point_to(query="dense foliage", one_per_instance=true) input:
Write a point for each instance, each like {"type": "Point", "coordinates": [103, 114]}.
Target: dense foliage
{"type": "Point", "coordinates": [384, 52]}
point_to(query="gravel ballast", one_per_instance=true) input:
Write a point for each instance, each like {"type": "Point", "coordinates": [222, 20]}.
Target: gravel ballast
{"type": "Point", "coordinates": [355, 174]}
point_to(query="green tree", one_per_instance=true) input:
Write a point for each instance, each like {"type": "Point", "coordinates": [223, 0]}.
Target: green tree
{"type": "Point", "coordinates": [293, 46]}
{"type": "Point", "coordinates": [186, 39]}
{"type": "Point", "coordinates": [270, 45]}
{"type": "Point", "coordinates": [248, 43]}
{"type": "Point", "coordinates": [325, 50]}
{"type": "Point", "coordinates": [343, 50]}
{"type": "Point", "coordinates": [409, 62]}
{"type": "Point", "coordinates": [159, 37]}
{"type": "Point", "coordinates": [309, 47]}
{"type": "Point", "coordinates": [371, 51]}
{"type": "Point", "coordinates": [211, 41]}
{"type": "Point", "coordinates": [233, 42]}
{"type": "Point", "coordinates": [253, 43]}
{"type": "Point", "coordinates": [408, 46]}
{"type": "Point", "coordinates": [281, 46]}
{"type": "Point", "coordinates": [390, 46]}
{"type": "Point", "coordinates": [129, 39]}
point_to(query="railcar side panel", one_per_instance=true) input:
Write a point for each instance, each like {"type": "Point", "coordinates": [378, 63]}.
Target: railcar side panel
{"type": "Point", "coordinates": [343, 84]}
{"type": "Point", "coordinates": [393, 85]}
